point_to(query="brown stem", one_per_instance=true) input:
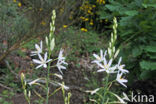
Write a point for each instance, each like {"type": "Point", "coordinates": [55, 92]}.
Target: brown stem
{"type": "Point", "coordinates": [18, 44]}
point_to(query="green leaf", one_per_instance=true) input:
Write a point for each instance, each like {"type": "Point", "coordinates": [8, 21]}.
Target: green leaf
{"type": "Point", "coordinates": [149, 5]}
{"type": "Point", "coordinates": [148, 65]}
{"type": "Point", "coordinates": [151, 55]}
{"type": "Point", "coordinates": [131, 13]}
{"type": "Point", "coordinates": [150, 48]}
{"type": "Point", "coordinates": [136, 51]}
{"type": "Point", "coordinates": [147, 74]}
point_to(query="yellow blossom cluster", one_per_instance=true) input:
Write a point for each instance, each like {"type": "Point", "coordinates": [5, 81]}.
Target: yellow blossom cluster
{"type": "Point", "coordinates": [84, 29]}
{"type": "Point", "coordinates": [19, 3]}
{"type": "Point", "coordinates": [88, 8]}
{"type": "Point", "coordinates": [101, 1]}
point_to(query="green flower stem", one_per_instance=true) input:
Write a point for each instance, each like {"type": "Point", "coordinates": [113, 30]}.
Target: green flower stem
{"type": "Point", "coordinates": [47, 79]}
{"type": "Point", "coordinates": [105, 88]}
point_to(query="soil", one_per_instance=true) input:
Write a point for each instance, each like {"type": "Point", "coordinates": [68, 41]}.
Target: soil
{"type": "Point", "coordinates": [75, 79]}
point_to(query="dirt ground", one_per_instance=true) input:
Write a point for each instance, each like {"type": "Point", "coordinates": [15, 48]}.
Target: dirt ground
{"type": "Point", "coordinates": [75, 78]}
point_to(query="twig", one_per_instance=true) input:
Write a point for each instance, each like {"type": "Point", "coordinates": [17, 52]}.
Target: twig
{"type": "Point", "coordinates": [9, 67]}
{"type": "Point", "coordinates": [8, 88]}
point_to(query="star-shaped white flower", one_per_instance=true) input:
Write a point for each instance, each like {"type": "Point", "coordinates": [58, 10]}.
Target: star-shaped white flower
{"type": "Point", "coordinates": [38, 49]}
{"type": "Point", "coordinates": [120, 67]}
{"type": "Point", "coordinates": [99, 58]}
{"type": "Point", "coordinates": [61, 61]}
{"type": "Point", "coordinates": [42, 62]}
{"type": "Point", "coordinates": [120, 79]}
{"type": "Point", "coordinates": [106, 66]}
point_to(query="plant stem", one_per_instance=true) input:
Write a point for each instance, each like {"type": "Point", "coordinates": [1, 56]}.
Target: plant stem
{"type": "Point", "coordinates": [47, 79]}
{"type": "Point", "coordinates": [105, 88]}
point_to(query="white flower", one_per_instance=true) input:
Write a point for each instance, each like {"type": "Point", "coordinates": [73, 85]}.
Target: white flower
{"type": "Point", "coordinates": [38, 49]}
{"type": "Point", "coordinates": [63, 86]}
{"type": "Point", "coordinates": [99, 58]}
{"type": "Point", "coordinates": [58, 75]}
{"type": "Point", "coordinates": [120, 79]}
{"type": "Point", "coordinates": [34, 81]}
{"type": "Point", "coordinates": [42, 62]}
{"type": "Point", "coordinates": [61, 61]}
{"type": "Point", "coordinates": [120, 67]}
{"type": "Point", "coordinates": [94, 91]}
{"type": "Point", "coordinates": [106, 66]}
{"type": "Point", "coordinates": [120, 99]}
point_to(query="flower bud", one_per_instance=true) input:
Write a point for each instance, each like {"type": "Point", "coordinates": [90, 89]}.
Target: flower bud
{"type": "Point", "coordinates": [52, 44]}
{"type": "Point", "coordinates": [46, 39]}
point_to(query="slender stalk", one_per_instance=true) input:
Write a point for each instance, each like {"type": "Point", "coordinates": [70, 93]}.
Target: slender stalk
{"type": "Point", "coordinates": [105, 88]}
{"type": "Point", "coordinates": [47, 79]}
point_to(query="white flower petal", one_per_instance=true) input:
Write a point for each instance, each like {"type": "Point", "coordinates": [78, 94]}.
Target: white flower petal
{"type": "Point", "coordinates": [37, 61]}
{"type": "Point", "coordinates": [45, 56]}
{"type": "Point", "coordinates": [48, 60]}
{"type": "Point", "coordinates": [101, 70]}
{"type": "Point", "coordinates": [45, 65]}
{"type": "Point", "coordinates": [96, 56]}
{"type": "Point", "coordinates": [37, 47]}
{"type": "Point", "coordinates": [34, 81]}
{"type": "Point", "coordinates": [40, 57]}
{"type": "Point", "coordinates": [39, 66]}
{"type": "Point", "coordinates": [120, 59]}
{"type": "Point", "coordinates": [120, 99]}
{"type": "Point", "coordinates": [110, 62]}
{"type": "Point", "coordinates": [41, 47]}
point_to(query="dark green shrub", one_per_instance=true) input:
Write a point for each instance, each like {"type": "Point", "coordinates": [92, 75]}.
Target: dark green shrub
{"type": "Point", "coordinates": [137, 31]}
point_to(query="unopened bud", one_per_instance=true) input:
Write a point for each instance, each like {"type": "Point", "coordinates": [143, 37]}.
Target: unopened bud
{"type": "Point", "coordinates": [52, 44]}
{"type": "Point", "coordinates": [116, 54]}
{"type": "Point", "coordinates": [46, 39]}
{"type": "Point", "coordinates": [29, 94]}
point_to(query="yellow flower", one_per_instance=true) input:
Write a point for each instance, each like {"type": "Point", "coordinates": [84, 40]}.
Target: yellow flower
{"type": "Point", "coordinates": [43, 23]}
{"type": "Point", "coordinates": [19, 4]}
{"type": "Point", "coordinates": [41, 9]}
{"type": "Point", "coordinates": [106, 20]}
{"type": "Point", "coordinates": [82, 18]}
{"type": "Point", "coordinates": [91, 23]}
{"type": "Point", "coordinates": [65, 26]}
{"type": "Point", "coordinates": [90, 8]}
{"type": "Point", "coordinates": [81, 8]}
{"type": "Point", "coordinates": [89, 12]}
{"type": "Point", "coordinates": [101, 1]}
{"type": "Point", "coordinates": [86, 19]}
{"type": "Point", "coordinates": [84, 30]}
{"type": "Point", "coordinates": [14, 1]}
{"type": "Point", "coordinates": [93, 6]}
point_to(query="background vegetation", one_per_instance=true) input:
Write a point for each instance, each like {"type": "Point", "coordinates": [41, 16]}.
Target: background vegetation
{"type": "Point", "coordinates": [82, 28]}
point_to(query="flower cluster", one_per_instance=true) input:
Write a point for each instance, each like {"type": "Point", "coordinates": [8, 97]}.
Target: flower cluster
{"type": "Point", "coordinates": [108, 67]}
{"type": "Point", "coordinates": [50, 42]}
{"type": "Point", "coordinates": [89, 15]}
{"type": "Point", "coordinates": [101, 1]}
{"type": "Point", "coordinates": [44, 61]}
{"type": "Point", "coordinates": [106, 63]}
{"type": "Point", "coordinates": [88, 11]}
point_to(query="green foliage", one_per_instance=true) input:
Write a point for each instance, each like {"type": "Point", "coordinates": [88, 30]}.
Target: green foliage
{"type": "Point", "coordinates": [79, 43]}
{"type": "Point", "coordinates": [137, 28]}
{"type": "Point", "coordinates": [14, 23]}
{"type": "Point", "coordinates": [6, 95]}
